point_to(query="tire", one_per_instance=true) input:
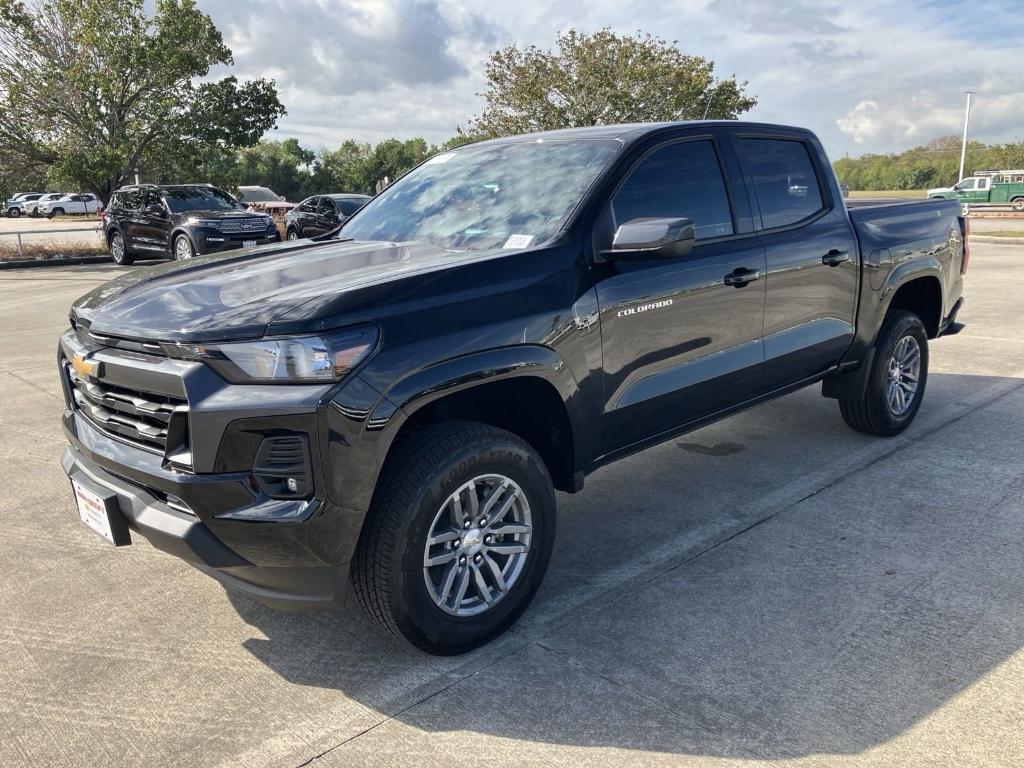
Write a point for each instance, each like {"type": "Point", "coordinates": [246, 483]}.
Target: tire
{"type": "Point", "coordinates": [14, 213]}
{"type": "Point", "coordinates": [291, 234]}
{"type": "Point", "coordinates": [877, 413]}
{"type": "Point", "coordinates": [55, 212]}
{"type": "Point", "coordinates": [1018, 204]}
{"type": "Point", "coordinates": [416, 498]}
{"type": "Point", "coordinates": [119, 251]}
{"type": "Point", "coordinates": [182, 249]}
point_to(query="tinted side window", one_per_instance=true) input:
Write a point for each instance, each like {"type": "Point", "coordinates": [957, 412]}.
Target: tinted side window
{"type": "Point", "coordinates": [349, 206]}
{"type": "Point", "coordinates": [308, 205]}
{"type": "Point", "coordinates": [784, 180]}
{"type": "Point", "coordinates": [327, 207]}
{"type": "Point", "coordinates": [681, 180]}
{"type": "Point", "coordinates": [132, 199]}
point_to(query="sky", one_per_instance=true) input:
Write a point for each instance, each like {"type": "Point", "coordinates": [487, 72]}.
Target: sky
{"type": "Point", "coordinates": [865, 75]}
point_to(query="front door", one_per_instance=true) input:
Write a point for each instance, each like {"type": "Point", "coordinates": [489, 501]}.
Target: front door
{"type": "Point", "coordinates": [681, 337]}
{"type": "Point", "coordinates": [813, 265]}
{"type": "Point", "coordinates": [327, 216]}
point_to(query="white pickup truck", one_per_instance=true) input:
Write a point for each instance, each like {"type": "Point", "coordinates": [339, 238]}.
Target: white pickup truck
{"type": "Point", "coordinates": [85, 203]}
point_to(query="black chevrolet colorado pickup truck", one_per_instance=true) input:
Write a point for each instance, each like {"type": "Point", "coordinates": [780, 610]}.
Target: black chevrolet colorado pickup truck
{"type": "Point", "coordinates": [395, 405]}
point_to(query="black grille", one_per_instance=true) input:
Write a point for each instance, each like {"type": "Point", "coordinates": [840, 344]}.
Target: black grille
{"type": "Point", "coordinates": [142, 418]}
{"type": "Point", "coordinates": [235, 226]}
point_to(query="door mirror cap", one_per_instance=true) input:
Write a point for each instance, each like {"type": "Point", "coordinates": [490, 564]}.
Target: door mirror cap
{"type": "Point", "coordinates": [651, 238]}
{"type": "Point", "coordinates": [156, 209]}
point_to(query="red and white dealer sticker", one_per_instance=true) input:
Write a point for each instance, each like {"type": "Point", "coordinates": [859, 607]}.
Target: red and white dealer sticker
{"type": "Point", "coordinates": [92, 511]}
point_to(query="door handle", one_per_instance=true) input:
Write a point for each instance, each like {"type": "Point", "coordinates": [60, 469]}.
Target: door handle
{"type": "Point", "coordinates": [834, 258]}
{"type": "Point", "coordinates": [740, 277]}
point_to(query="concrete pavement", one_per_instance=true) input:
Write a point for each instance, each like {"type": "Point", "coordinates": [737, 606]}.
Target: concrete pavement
{"type": "Point", "coordinates": [774, 589]}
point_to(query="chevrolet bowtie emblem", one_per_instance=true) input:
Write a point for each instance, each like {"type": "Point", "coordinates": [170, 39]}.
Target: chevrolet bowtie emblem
{"type": "Point", "coordinates": [85, 367]}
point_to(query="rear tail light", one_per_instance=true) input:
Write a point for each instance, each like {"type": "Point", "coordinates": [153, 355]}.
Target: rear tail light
{"type": "Point", "coordinates": [965, 230]}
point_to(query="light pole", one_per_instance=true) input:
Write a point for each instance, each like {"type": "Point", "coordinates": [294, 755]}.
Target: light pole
{"type": "Point", "coordinates": [963, 148]}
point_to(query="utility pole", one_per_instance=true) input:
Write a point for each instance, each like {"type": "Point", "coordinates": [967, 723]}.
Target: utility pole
{"type": "Point", "coordinates": [963, 148]}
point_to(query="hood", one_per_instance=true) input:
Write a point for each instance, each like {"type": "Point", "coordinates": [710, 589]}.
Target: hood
{"type": "Point", "coordinates": [238, 294]}
{"type": "Point", "coordinates": [219, 215]}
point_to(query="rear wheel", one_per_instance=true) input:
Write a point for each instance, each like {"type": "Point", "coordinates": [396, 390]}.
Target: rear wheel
{"type": "Point", "coordinates": [897, 379]}
{"type": "Point", "coordinates": [1018, 204]}
{"type": "Point", "coordinates": [458, 537]}
{"type": "Point", "coordinates": [183, 249]}
{"type": "Point", "coordinates": [14, 213]}
{"type": "Point", "coordinates": [119, 251]}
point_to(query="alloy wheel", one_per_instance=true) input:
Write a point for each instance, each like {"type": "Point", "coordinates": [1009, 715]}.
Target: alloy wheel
{"type": "Point", "coordinates": [477, 545]}
{"type": "Point", "coordinates": [904, 375]}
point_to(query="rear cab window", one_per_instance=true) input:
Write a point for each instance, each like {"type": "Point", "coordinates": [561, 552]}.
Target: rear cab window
{"type": "Point", "coordinates": [785, 182]}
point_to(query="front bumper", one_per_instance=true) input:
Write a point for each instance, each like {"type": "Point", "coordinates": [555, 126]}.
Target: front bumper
{"type": "Point", "coordinates": [214, 241]}
{"type": "Point", "coordinates": [215, 514]}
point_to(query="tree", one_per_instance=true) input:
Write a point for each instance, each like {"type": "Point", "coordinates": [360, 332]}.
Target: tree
{"type": "Point", "coordinates": [281, 165]}
{"type": "Point", "coordinates": [600, 79]}
{"type": "Point", "coordinates": [96, 90]}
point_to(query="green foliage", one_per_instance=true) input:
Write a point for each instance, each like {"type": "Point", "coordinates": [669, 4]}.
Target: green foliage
{"type": "Point", "coordinates": [934, 165]}
{"type": "Point", "coordinates": [95, 90]}
{"type": "Point", "coordinates": [601, 79]}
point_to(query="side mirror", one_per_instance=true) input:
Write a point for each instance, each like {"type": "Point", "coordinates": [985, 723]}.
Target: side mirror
{"type": "Point", "coordinates": [651, 238]}
{"type": "Point", "coordinates": [155, 209]}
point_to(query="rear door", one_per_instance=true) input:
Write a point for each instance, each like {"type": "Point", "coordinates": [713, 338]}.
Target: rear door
{"type": "Point", "coordinates": [131, 219]}
{"type": "Point", "coordinates": [811, 253]}
{"type": "Point", "coordinates": [679, 342]}
{"type": "Point", "coordinates": [305, 216]}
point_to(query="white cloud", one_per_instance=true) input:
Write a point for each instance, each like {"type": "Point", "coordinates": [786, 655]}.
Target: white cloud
{"type": "Point", "coordinates": [868, 76]}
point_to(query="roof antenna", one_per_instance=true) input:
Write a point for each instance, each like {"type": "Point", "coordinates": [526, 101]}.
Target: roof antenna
{"type": "Point", "coordinates": [710, 96]}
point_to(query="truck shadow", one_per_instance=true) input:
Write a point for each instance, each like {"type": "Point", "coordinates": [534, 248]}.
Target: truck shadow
{"type": "Point", "coordinates": [807, 591]}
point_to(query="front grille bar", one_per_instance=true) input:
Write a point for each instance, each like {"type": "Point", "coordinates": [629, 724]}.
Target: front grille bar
{"type": "Point", "coordinates": [142, 418]}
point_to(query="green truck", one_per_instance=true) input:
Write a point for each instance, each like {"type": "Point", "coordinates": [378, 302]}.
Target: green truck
{"type": "Point", "coordinates": [987, 188]}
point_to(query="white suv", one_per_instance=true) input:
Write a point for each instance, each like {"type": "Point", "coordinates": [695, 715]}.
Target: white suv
{"type": "Point", "coordinates": [86, 203]}
{"type": "Point", "coordinates": [31, 208]}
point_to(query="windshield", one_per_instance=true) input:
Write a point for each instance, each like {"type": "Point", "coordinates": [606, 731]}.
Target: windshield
{"type": "Point", "coordinates": [197, 199]}
{"type": "Point", "coordinates": [477, 197]}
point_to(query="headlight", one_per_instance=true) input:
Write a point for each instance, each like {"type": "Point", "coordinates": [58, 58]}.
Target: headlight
{"type": "Point", "coordinates": [195, 221]}
{"type": "Point", "coordinates": [295, 360]}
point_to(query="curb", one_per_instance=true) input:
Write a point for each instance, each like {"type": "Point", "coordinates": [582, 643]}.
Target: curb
{"type": "Point", "coordinates": [32, 263]}
{"type": "Point", "coordinates": [1000, 240]}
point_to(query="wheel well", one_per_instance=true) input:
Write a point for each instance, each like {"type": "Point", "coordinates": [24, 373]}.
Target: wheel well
{"type": "Point", "coordinates": [923, 297]}
{"type": "Point", "coordinates": [526, 406]}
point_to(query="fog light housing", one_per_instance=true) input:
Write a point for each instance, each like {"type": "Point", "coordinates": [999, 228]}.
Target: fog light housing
{"type": "Point", "coordinates": [282, 467]}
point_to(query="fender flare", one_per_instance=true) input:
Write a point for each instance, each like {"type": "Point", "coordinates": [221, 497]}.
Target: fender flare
{"type": "Point", "coordinates": [852, 384]}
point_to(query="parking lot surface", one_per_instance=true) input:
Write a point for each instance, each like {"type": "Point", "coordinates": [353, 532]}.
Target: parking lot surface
{"type": "Point", "coordinates": [771, 590]}
{"type": "Point", "coordinates": [43, 231]}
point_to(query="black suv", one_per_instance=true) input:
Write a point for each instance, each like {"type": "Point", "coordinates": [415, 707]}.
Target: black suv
{"type": "Point", "coordinates": [180, 221]}
{"type": "Point", "coordinates": [320, 214]}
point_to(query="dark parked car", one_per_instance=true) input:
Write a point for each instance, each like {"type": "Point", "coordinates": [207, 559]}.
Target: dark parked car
{"type": "Point", "coordinates": [180, 221]}
{"type": "Point", "coordinates": [320, 214]}
{"type": "Point", "coordinates": [397, 406]}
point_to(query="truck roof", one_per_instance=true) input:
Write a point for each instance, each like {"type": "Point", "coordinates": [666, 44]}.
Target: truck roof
{"type": "Point", "coordinates": [635, 131]}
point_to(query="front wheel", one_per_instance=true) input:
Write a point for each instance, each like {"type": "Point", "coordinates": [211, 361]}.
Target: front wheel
{"type": "Point", "coordinates": [183, 249]}
{"type": "Point", "coordinates": [55, 212]}
{"type": "Point", "coordinates": [1018, 204]}
{"type": "Point", "coordinates": [292, 234]}
{"type": "Point", "coordinates": [458, 537]}
{"type": "Point", "coordinates": [14, 213]}
{"type": "Point", "coordinates": [897, 379]}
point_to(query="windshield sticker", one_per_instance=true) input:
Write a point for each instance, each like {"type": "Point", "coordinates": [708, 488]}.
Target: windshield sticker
{"type": "Point", "coordinates": [518, 241]}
